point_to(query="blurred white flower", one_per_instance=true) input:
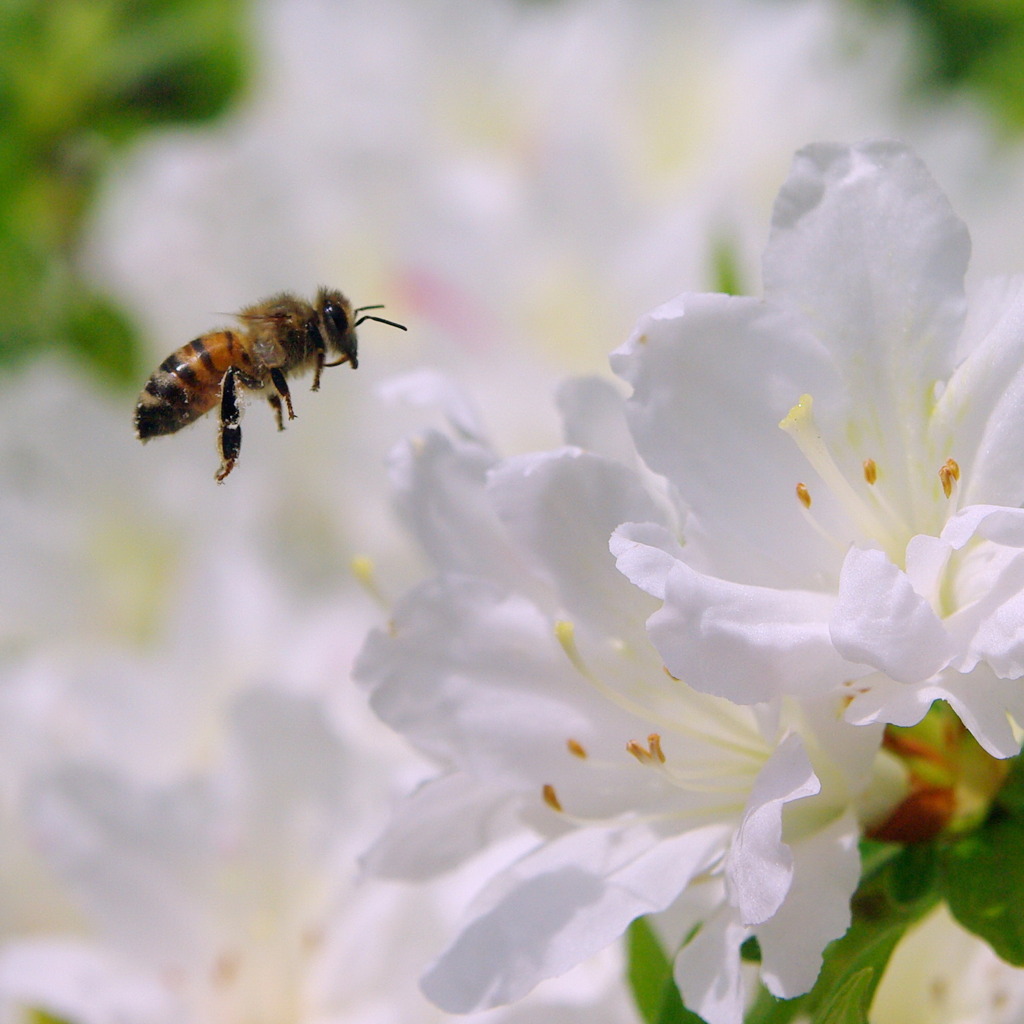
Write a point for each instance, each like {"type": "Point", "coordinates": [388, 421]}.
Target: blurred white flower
{"type": "Point", "coordinates": [880, 554]}
{"type": "Point", "coordinates": [186, 787]}
{"type": "Point", "coordinates": [524, 669]}
{"type": "Point", "coordinates": [516, 181]}
{"type": "Point", "coordinates": [942, 974]}
{"type": "Point", "coordinates": [230, 896]}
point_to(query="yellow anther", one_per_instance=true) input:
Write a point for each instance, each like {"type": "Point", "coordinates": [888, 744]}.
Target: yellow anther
{"type": "Point", "coordinates": [804, 495]}
{"type": "Point", "coordinates": [870, 471]}
{"type": "Point", "coordinates": [654, 746]}
{"type": "Point", "coordinates": [949, 472]}
{"type": "Point", "coordinates": [649, 754]}
{"type": "Point", "coordinates": [639, 752]}
{"type": "Point", "coordinates": [576, 749]}
{"type": "Point", "coordinates": [550, 798]}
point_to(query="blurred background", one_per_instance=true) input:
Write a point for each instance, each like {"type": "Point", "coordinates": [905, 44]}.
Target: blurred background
{"type": "Point", "coordinates": [187, 774]}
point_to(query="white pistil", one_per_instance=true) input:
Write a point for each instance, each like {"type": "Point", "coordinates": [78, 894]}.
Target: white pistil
{"type": "Point", "coordinates": [565, 633]}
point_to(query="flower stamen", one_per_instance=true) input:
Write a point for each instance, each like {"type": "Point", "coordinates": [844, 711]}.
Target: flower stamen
{"type": "Point", "coordinates": [576, 749]}
{"type": "Point", "coordinates": [716, 727]}
{"type": "Point", "coordinates": [804, 495]}
{"type": "Point", "coordinates": [949, 474]}
{"type": "Point", "coordinates": [875, 518]}
{"type": "Point", "coordinates": [649, 755]}
{"type": "Point", "coordinates": [550, 797]}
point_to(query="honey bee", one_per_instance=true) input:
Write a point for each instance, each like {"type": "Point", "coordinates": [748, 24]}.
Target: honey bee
{"type": "Point", "coordinates": [279, 336]}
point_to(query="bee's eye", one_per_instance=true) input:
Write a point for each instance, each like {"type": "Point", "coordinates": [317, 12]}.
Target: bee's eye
{"type": "Point", "coordinates": [339, 328]}
{"type": "Point", "coordinates": [336, 317]}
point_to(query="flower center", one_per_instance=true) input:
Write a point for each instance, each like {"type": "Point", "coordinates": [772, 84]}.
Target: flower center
{"type": "Point", "coordinates": [861, 494]}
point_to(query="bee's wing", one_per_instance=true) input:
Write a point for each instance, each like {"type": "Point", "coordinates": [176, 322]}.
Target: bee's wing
{"type": "Point", "coordinates": [253, 317]}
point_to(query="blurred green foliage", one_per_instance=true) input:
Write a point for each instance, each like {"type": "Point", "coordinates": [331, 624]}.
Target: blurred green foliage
{"type": "Point", "coordinates": [79, 80]}
{"type": "Point", "coordinates": [978, 44]}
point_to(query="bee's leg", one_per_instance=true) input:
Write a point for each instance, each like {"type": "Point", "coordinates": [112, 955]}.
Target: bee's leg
{"type": "Point", "coordinates": [275, 404]}
{"type": "Point", "coordinates": [317, 341]}
{"type": "Point", "coordinates": [230, 428]}
{"type": "Point", "coordinates": [318, 369]}
{"type": "Point", "coordinates": [281, 384]}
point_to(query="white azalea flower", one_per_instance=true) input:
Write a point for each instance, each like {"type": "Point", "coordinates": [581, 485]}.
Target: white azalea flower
{"type": "Point", "coordinates": [617, 791]}
{"type": "Point", "coordinates": [872, 546]}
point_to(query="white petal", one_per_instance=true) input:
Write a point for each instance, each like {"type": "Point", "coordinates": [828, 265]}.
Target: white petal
{"type": "Point", "coordinates": [140, 860]}
{"type": "Point", "coordinates": [441, 497]}
{"type": "Point", "coordinates": [708, 970]}
{"type": "Point", "coordinates": [428, 387]}
{"type": "Point", "coordinates": [826, 870]}
{"type": "Point", "coordinates": [475, 677]}
{"type": "Point", "coordinates": [759, 866]}
{"type": "Point", "coordinates": [72, 981]}
{"type": "Point", "coordinates": [645, 553]}
{"type": "Point", "coordinates": [865, 246]}
{"type": "Point", "coordinates": [880, 620]}
{"type": "Point", "coordinates": [746, 643]}
{"type": "Point", "coordinates": [713, 376]}
{"type": "Point", "coordinates": [991, 628]}
{"type": "Point", "coordinates": [982, 407]}
{"type": "Point", "coordinates": [576, 896]}
{"type": "Point", "coordinates": [562, 507]}
{"type": "Point", "coordinates": [880, 698]}
{"type": "Point", "coordinates": [982, 702]}
{"type": "Point", "coordinates": [993, 522]}
{"type": "Point", "coordinates": [980, 699]}
{"type": "Point", "coordinates": [438, 826]}
{"type": "Point", "coordinates": [594, 419]}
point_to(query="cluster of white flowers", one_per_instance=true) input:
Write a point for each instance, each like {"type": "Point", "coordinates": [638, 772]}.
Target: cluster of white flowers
{"type": "Point", "coordinates": [651, 664]}
{"type": "Point", "coordinates": [666, 651]}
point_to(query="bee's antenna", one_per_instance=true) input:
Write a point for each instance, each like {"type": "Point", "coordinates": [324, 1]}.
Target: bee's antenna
{"type": "Point", "coordinates": [363, 309]}
{"type": "Point", "coordinates": [379, 319]}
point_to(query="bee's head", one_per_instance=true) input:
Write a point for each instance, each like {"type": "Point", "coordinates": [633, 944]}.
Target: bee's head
{"type": "Point", "coordinates": [339, 322]}
{"type": "Point", "coordinates": [338, 325]}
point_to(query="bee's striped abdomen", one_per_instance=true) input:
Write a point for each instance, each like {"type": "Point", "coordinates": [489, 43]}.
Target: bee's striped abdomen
{"type": "Point", "coordinates": [186, 384]}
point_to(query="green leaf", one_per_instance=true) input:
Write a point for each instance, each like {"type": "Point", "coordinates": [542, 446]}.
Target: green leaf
{"type": "Point", "coordinates": [1011, 797]}
{"type": "Point", "coordinates": [913, 874]}
{"type": "Point", "coordinates": [647, 969]}
{"type": "Point", "coordinates": [849, 1004]}
{"type": "Point", "coordinates": [101, 334]}
{"type": "Point", "coordinates": [649, 972]}
{"type": "Point", "coordinates": [769, 1010]}
{"type": "Point", "coordinates": [984, 885]}
{"type": "Point", "coordinates": [78, 80]}
{"type": "Point", "coordinates": [885, 905]}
